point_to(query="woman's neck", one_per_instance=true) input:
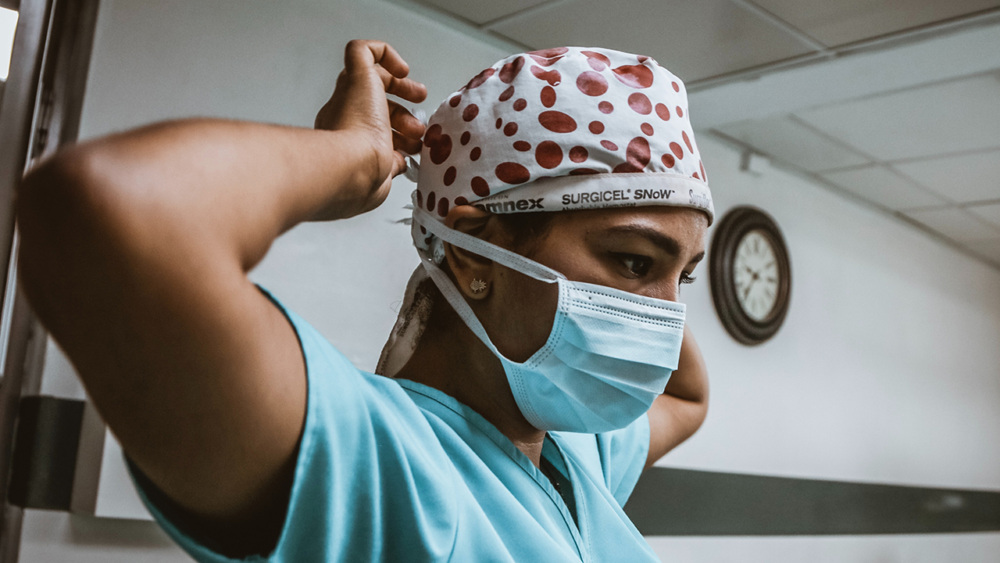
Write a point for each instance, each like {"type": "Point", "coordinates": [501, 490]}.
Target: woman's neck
{"type": "Point", "coordinates": [451, 359]}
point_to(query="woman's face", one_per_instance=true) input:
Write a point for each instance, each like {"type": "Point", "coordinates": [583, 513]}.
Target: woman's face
{"type": "Point", "coordinates": [650, 251]}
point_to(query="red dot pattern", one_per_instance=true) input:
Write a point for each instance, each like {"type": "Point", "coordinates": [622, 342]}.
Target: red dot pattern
{"type": "Point", "coordinates": [548, 96]}
{"type": "Point", "coordinates": [548, 154]}
{"type": "Point", "coordinates": [480, 187]}
{"type": "Point", "coordinates": [509, 71]}
{"type": "Point", "coordinates": [597, 61]}
{"type": "Point", "coordinates": [571, 96]}
{"type": "Point", "coordinates": [591, 83]}
{"type": "Point", "coordinates": [512, 173]}
{"type": "Point", "coordinates": [557, 121]}
{"type": "Point", "coordinates": [636, 76]}
{"type": "Point", "coordinates": [640, 103]}
{"type": "Point", "coordinates": [677, 150]}
{"type": "Point", "coordinates": [636, 156]}
{"type": "Point", "coordinates": [479, 79]}
{"type": "Point", "coordinates": [547, 57]}
{"type": "Point", "coordinates": [551, 76]}
{"type": "Point", "coordinates": [438, 143]}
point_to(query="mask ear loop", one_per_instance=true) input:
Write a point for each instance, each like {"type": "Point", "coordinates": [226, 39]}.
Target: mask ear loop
{"type": "Point", "coordinates": [501, 255]}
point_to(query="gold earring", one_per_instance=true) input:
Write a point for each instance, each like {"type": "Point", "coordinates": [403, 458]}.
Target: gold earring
{"type": "Point", "coordinates": [477, 286]}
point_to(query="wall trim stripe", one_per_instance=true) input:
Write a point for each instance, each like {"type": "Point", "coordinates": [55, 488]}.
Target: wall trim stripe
{"type": "Point", "coordinates": [683, 502]}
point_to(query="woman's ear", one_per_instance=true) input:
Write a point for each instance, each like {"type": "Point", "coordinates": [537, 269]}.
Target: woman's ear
{"type": "Point", "coordinates": [473, 274]}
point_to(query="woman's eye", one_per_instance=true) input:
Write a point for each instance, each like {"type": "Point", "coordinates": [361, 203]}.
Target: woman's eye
{"type": "Point", "coordinates": [685, 278]}
{"type": "Point", "coordinates": [636, 265]}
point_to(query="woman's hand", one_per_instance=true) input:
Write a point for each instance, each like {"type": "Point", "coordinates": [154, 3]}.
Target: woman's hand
{"type": "Point", "coordinates": [373, 69]}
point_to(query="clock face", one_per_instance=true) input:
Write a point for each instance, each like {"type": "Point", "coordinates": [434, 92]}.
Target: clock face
{"type": "Point", "coordinates": [755, 275]}
{"type": "Point", "coordinates": [750, 275]}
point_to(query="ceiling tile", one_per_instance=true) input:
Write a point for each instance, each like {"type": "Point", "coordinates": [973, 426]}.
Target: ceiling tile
{"type": "Point", "coordinates": [835, 22]}
{"type": "Point", "coordinates": [482, 11]}
{"type": "Point", "coordinates": [955, 224]}
{"type": "Point", "coordinates": [962, 178]}
{"type": "Point", "coordinates": [724, 38]}
{"type": "Point", "coordinates": [989, 249]}
{"type": "Point", "coordinates": [928, 121]}
{"type": "Point", "coordinates": [787, 140]}
{"type": "Point", "coordinates": [884, 187]}
{"type": "Point", "coordinates": [989, 212]}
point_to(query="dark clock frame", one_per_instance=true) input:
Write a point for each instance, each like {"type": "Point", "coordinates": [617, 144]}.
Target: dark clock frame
{"type": "Point", "coordinates": [731, 229]}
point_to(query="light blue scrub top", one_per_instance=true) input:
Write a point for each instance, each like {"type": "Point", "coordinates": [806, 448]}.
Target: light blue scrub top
{"type": "Point", "coordinates": [393, 470]}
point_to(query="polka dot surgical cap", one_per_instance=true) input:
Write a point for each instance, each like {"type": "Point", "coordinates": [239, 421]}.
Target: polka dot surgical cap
{"type": "Point", "coordinates": [560, 129]}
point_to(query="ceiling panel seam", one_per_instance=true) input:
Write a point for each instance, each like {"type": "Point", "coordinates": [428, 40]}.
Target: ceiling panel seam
{"type": "Point", "coordinates": [816, 45]}
{"type": "Point", "coordinates": [458, 23]}
{"type": "Point", "coordinates": [490, 25]}
{"type": "Point", "coordinates": [974, 20]}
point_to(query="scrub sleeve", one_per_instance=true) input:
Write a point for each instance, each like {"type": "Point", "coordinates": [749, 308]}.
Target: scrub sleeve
{"type": "Point", "coordinates": [392, 470]}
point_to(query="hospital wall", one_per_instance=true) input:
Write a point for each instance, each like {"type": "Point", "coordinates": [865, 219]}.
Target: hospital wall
{"type": "Point", "coordinates": [887, 369]}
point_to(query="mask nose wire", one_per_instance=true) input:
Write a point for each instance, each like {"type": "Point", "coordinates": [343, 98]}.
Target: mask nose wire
{"type": "Point", "coordinates": [503, 256]}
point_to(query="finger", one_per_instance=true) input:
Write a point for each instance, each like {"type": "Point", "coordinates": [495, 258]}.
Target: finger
{"type": "Point", "coordinates": [400, 119]}
{"type": "Point", "coordinates": [398, 164]}
{"type": "Point", "coordinates": [408, 145]}
{"type": "Point", "coordinates": [409, 90]}
{"type": "Point", "coordinates": [359, 53]}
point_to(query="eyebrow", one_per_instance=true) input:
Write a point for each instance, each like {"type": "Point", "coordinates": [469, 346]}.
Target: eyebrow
{"type": "Point", "coordinates": [667, 243]}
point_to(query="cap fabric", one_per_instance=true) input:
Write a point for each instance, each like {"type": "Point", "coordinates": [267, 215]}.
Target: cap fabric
{"type": "Point", "coordinates": [563, 128]}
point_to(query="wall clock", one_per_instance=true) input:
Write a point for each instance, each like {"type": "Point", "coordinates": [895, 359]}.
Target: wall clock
{"type": "Point", "coordinates": [750, 275]}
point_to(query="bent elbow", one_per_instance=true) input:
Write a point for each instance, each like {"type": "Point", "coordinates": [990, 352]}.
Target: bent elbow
{"type": "Point", "coordinates": [60, 207]}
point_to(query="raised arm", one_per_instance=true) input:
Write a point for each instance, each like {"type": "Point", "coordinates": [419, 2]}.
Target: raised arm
{"type": "Point", "coordinates": [134, 254]}
{"type": "Point", "coordinates": [680, 410]}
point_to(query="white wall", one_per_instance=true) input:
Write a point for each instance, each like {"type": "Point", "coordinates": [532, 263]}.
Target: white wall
{"type": "Point", "coordinates": [887, 368]}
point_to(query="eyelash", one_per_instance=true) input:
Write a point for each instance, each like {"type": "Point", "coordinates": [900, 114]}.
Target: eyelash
{"type": "Point", "coordinates": [623, 258]}
{"type": "Point", "coordinates": [685, 279]}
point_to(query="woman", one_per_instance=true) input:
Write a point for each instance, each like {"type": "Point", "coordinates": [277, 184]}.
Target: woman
{"type": "Point", "coordinates": [529, 350]}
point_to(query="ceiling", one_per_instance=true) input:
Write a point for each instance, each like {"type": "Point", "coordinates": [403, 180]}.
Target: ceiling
{"type": "Point", "coordinates": [895, 103]}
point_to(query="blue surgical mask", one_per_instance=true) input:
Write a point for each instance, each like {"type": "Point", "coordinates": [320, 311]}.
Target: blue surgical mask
{"type": "Point", "coordinates": [609, 353]}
